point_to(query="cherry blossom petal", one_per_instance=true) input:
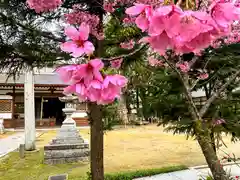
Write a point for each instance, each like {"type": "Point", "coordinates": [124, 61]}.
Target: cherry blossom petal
{"type": "Point", "coordinates": [78, 52]}
{"type": "Point", "coordinates": [142, 22]}
{"type": "Point", "coordinates": [135, 10]}
{"type": "Point", "coordinates": [88, 47]}
{"type": "Point", "coordinates": [69, 46]}
{"type": "Point", "coordinates": [83, 31]}
{"type": "Point", "coordinates": [72, 33]}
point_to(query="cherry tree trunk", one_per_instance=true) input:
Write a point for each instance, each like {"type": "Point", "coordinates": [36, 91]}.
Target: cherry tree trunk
{"type": "Point", "coordinates": [95, 111]}
{"type": "Point", "coordinates": [96, 144]}
{"type": "Point", "coordinates": [204, 140]}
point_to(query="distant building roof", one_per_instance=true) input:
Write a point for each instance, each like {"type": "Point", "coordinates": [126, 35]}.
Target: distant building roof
{"type": "Point", "coordinates": [39, 79]}
{"type": "Point", "coordinates": [198, 93]}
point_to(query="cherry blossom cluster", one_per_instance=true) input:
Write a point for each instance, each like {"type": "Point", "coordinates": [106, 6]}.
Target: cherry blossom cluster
{"type": "Point", "coordinates": [78, 43]}
{"type": "Point", "coordinates": [232, 38]}
{"type": "Point", "coordinates": [43, 5]}
{"type": "Point", "coordinates": [128, 20]}
{"type": "Point", "coordinates": [89, 84]}
{"type": "Point", "coordinates": [86, 80]}
{"type": "Point", "coordinates": [169, 27]}
{"type": "Point", "coordinates": [116, 64]}
{"type": "Point", "coordinates": [127, 44]}
{"type": "Point", "coordinates": [111, 5]}
{"type": "Point", "coordinates": [155, 62]}
{"type": "Point", "coordinates": [219, 121]}
{"type": "Point", "coordinates": [78, 17]}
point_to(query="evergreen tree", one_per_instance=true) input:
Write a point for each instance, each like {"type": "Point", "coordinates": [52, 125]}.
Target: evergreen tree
{"type": "Point", "coordinates": [26, 38]}
{"type": "Point", "coordinates": [165, 95]}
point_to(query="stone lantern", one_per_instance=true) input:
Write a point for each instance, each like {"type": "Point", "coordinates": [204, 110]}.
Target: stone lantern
{"type": "Point", "coordinates": [68, 146]}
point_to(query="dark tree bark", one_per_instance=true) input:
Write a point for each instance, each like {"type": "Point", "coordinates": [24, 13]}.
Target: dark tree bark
{"type": "Point", "coordinates": [96, 155]}
{"type": "Point", "coordinates": [95, 111]}
{"type": "Point", "coordinates": [205, 142]}
{"type": "Point", "coordinates": [213, 140]}
{"type": "Point", "coordinates": [211, 158]}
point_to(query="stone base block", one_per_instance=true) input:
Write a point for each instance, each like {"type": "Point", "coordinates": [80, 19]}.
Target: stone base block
{"type": "Point", "coordinates": [66, 153]}
{"type": "Point", "coordinates": [66, 160]}
{"type": "Point", "coordinates": [67, 141]}
{"type": "Point", "coordinates": [68, 135]}
{"type": "Point", "coordinates": [66, 146]}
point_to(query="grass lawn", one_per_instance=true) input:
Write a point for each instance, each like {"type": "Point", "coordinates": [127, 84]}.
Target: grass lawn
{"type": "Point", "coordinates": [6, 134]}
{"type": "Point", "coordinates": [130, 149]}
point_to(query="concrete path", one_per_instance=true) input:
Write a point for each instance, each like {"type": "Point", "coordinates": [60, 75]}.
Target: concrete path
{"type": "Point", "coordinates": [11, 143]}
{"type": "Point", "coordinates": [191, 174]}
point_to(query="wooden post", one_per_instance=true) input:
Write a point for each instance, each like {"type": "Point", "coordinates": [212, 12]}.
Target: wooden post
{"type": "Point", "coordinates": [21, 151]}
{"type": "Point", "coordinates": [13, 106]}
{"type": "Point", "coordinates": [29, 111]}
{"type": "Point", "coordinates": [41, 111]}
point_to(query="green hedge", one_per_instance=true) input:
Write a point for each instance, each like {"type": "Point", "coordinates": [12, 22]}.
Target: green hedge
{"type": "Point", "coordinates": [142, 173]}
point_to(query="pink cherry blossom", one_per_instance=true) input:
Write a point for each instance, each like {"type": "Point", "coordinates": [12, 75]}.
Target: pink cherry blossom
{"type": "Point", "coordinates": [116, 63]}
{"type": "Point", "coordinates": [155, 62]}
{"type": "Point", "coordinates": [163, 18]}
{"type": "Point", "coordinates": [127, 45]}
{"type": "Point", "coordinates": [126, 20]}
{"type": "Point", "coordinates": [79, 89]}
{"type": "Point", "coordinates": [219, 121]}
{"type": "Point", "coordinates": [89, 84]}
{"type": "Point", "coordinates": [160, 43]}
{"type": "Point", "coordinates": [224, 13]}
{"type": "Point", "coordinates": [143, 13]}
{"type": "Point", "coordinates": [82, 72]}
{"type": "Point", "coordinates": [112, 88]}
{"type": "Point", "coordinates": [117, 80]}
{"type": "Point", "coordinates": [66, 72]}
{"type": "Point", "coordinates": [89, 71]}
{"type": "Point", "coordinates": [43, 5]}
{"type": "Point", "coordinates": [189, 27]}
{"type": "Point", "coordinates": [109, 7]}
{"type": "Point", "coordinates": [129, 20]}
{"type": "Point", "coordinates": [184, 67]}
{"type": "Point", "coordinates": [78, 44]}
{"type": "Point", "coordinates": [203, 76]}
{"type": "Point", "coordinates": [78, 17]}
{"type": "Point", "coordinates": [94, 91]}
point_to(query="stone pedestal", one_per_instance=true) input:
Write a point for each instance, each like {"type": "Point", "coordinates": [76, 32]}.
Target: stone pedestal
{"type": "Point", "coordinates": [68, 146]}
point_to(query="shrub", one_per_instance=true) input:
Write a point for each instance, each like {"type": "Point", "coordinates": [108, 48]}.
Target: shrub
{"type": "Point", "coordinates": [142, 173]}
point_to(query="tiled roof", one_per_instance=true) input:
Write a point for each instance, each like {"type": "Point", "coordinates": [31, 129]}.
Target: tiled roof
{"type": "Point", "coordinates": [40, 79]}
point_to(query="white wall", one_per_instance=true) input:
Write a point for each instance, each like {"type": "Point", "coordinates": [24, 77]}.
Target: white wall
{"type": "Point", "coordinates": [199, 93]}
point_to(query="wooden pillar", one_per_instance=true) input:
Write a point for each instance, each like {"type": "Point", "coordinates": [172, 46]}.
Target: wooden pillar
{"type": "Point", "coordinates": [41, 111]}
{"type": "Point", "coordinates": [13, 106]}
{"type": "Point", "coordinates": [29, 111]}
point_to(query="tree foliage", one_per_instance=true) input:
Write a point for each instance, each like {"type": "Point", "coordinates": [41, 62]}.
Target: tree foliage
{"type": "Point", "coordinates": [165, 97]}
{"type": "Point", "coordinates": [26, 39]}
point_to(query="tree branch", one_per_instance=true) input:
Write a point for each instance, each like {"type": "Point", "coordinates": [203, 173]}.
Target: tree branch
{"type": "Point", "coordinates": [192, 106]}
{"type": "Point", "coordinates": [193, 61]}
{"type": "Point", "coordinates": [45, 34]}
{"type": "Point", "coordinates": [194, 84]}
{"type": "Point", "coordinates": [204, 109]}
{"type": "Point", "coordinates": [125, 55]}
